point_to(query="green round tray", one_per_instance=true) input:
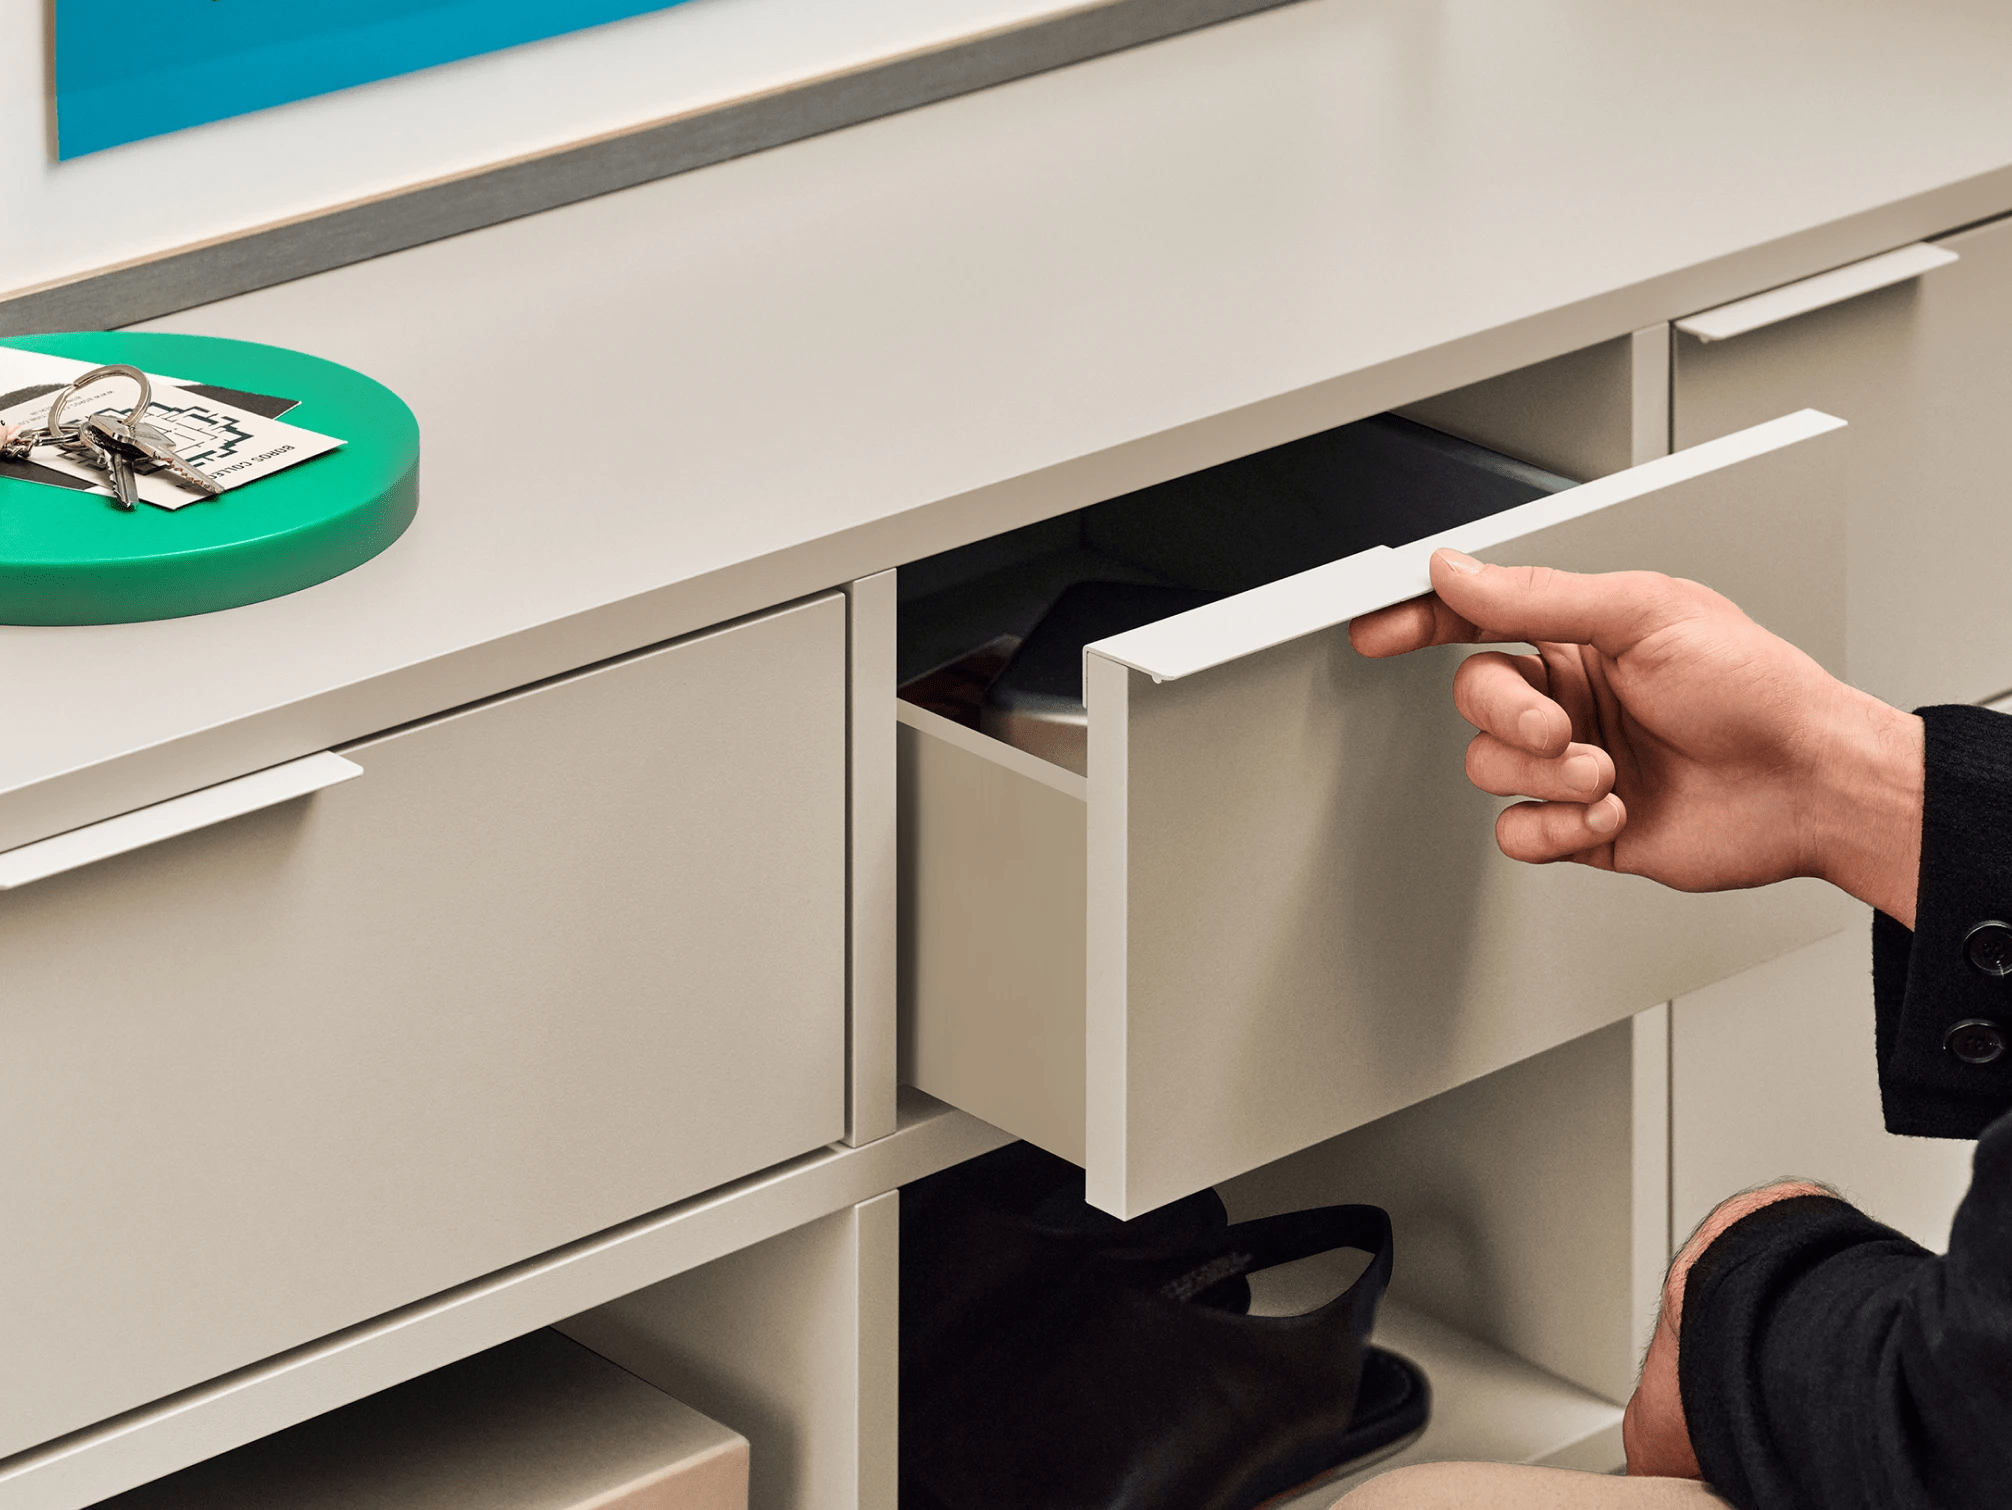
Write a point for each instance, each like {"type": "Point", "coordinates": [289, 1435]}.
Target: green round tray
{"type": "Point", "coordinates": [76, 558]}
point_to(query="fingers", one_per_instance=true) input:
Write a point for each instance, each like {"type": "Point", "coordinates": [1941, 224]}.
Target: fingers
{"type": "Point", "coordinates": [1525, 749]}
{"type": "Point", "coordinates": [1504, 695]}
{"type": "Point", "coordinates": [1610, 611]}
{"type": "Point", "coordinates": [1538, 833]}
{"type": "Point", "coordinates": [1578, 773]}
{"type": "Point", "coordinates": [1407, 626]}
{"type": "Point", "coordinates": [1473, 602]}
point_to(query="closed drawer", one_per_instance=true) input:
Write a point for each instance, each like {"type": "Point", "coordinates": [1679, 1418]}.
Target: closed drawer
{"type": "Point", "coordinates": [1274, 910]}
{"type": "Point", "coordinates": [1919, 370]}
{"type": "Point", "coordinates": [547, 964]}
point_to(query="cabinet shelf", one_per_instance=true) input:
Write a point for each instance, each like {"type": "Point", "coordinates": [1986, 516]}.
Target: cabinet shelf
{"type": "Point", "coordinates": [1487, 1406]}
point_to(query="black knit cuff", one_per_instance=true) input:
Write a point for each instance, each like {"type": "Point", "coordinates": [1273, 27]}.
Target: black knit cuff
{"type": "Point", "coordinates": [1731, 1294]}
{"type": "Point", "coordinates": [1932, 1080]}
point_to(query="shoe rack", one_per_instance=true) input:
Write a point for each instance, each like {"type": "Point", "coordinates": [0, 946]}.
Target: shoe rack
{"type": "Point", "coordinates": [1771, 1075]}
{"type": "Point", "coordinates": [794, 1340]}
{"type": "Point", "coordinates": [1531, 1231]}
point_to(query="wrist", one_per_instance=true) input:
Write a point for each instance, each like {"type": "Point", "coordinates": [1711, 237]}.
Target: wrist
{"type": "Point", "coordinates": [1863, 803]}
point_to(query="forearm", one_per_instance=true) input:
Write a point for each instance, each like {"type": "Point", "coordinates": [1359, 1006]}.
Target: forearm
{"type": "Point", "coordinates": [1863, 812]}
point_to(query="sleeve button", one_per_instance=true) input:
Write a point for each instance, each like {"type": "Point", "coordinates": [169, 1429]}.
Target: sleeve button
{"type": "Point", "coordinates": [1988, 947]}
{"type": "Point", "coordinates": [1975, 1041]}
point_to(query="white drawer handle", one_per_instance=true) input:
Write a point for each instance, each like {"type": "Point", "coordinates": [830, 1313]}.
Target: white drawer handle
{"type": "Point", "coordinates": [178, 815]}
{"type": "Point", "coordinates": [1231, 628]}
{"type": "Point", "coordinates": [1833, 287]}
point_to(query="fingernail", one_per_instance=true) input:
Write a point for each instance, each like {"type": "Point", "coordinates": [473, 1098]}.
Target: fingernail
{"type": "Point", "coordinates": [1458, 562]}
{"type": "Point", "coordinates": [1604, 816]}
{"type": "Point", "coordinates": [1534, 727]}
{"type": "Point", "coordinates": [1581, 771]}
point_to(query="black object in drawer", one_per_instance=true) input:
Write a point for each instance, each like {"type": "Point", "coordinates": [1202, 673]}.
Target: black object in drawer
{"type": "Point", "coordinates": [1037, 701]}
{"type": "Point", "coordinates": [1380, 481]}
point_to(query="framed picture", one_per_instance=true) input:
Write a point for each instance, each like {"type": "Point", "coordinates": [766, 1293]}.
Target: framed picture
{"type": "Point", "coordinates": [128, 69]}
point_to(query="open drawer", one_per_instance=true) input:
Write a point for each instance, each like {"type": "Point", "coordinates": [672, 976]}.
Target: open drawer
{"type": "Point", "coordinates": [1274, 910]}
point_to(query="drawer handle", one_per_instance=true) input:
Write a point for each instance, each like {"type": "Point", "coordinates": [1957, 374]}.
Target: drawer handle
{"type": "Point", "coordinates": [1231, 628]}
{"type": "Point", "coordinates": [1833, 287]}
{"type": "Point", "coordinates": [178, 815]}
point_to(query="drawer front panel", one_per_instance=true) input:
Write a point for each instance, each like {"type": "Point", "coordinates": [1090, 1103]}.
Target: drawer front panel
{"type": "Point", "coordinates": [1921, 373]}
{"type": "Point", "coordinates": [1298, 920]}
{"type": "Point", "coordinates": [546, 965]}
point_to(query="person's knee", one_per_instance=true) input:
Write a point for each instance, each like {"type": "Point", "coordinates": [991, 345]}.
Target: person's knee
{"type": "Point", "coordinates": [1496, 1486]}
{"type": "Point", "coordinates": [1424, 1486]}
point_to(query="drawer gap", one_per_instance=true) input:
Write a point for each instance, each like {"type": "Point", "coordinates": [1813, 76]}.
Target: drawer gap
{"type": "Point", "coordinates": [1383, 481]}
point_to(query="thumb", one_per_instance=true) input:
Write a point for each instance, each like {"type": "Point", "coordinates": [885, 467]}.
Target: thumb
{"type": "Point", "coordinates": [1610, 611]}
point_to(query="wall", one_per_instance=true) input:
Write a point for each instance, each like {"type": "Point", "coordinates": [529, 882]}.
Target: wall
{"type": "Point", "coordinates": [61, 219]}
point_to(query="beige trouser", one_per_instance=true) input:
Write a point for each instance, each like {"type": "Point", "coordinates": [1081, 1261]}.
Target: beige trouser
{"type": "Point", "coordinates": [1492, 1486]}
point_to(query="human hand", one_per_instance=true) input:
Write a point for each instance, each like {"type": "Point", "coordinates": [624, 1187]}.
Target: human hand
{"type": "Point", "coordinates": [1653, 1430]}
{"type": "Point", "coordinates": [1663, 733]}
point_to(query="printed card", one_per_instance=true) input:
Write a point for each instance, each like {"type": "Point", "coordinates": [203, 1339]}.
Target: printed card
{"type": "Point", "coordinates": [230, 437]}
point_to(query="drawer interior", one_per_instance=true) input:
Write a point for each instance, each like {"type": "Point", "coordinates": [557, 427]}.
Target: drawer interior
{"type": "Point", "coordinates": [1381, 481]}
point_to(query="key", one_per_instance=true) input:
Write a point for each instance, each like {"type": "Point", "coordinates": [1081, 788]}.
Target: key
{"type": "Point", "coordinates": [157, 448]}
{"type": "Point", "coordinates": [146, 445]}
{"type": "Point", "coordinates": [98, 439]}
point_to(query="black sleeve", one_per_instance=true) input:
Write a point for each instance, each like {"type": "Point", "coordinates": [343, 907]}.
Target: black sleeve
{"type": "Point", "coordinates": [1828, 1363]}
{"type": "Point", "coordinates": [1944, 1017]}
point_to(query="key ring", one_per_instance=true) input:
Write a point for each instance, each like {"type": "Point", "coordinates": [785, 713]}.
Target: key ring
{"type": "Point", "coordinates": [52, 426]}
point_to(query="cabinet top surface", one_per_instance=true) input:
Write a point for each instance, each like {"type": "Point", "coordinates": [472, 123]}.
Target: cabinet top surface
{"type": "Point", "coordinates": [822, 360]}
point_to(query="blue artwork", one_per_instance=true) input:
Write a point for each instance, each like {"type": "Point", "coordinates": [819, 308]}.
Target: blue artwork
{"type": "Point", "coordinates": [127, 69]}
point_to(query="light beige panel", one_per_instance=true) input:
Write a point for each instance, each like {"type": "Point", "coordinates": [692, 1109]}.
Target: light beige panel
{"type": "Point", "coordinates": [519, 981]}
{"type": "Point", "coordinates": [871, 861]}
{"type": "Point", "coordinates": [1772, 1074]}
{"type": "Point", "coordinates": [330, 1373]}
{"type": "Point", "coordinates": [1651, 1247]}
{"type": "Point", "coordinates": [1511, 1199]}
{"type": "Point", "coordinates": [1573, 414]}
{"type": "Point", "coordinates": [1314, 927]}
{"type": "Point", "coordinates": [1488, 1406]}
{"type": "Point", "coordinates": [540, 1423]}
{"type": "Point", "coordinates": [1921, 372]}
{"type": "Point", "coordinates": [1649, 364]}
{"type": "Point", "coordinates": [992, 918]}
{"type": "Point", "coordinates": [791, 1342]}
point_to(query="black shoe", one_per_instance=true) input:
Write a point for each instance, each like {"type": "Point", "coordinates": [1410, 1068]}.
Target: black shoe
{"type": "Point", "coordinates": [1139, 1384]}
{"type": "Point", "coordinates": [992, 1236]}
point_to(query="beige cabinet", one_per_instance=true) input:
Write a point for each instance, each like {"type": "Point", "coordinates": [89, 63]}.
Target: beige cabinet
{"type": "Point", "coordinates": [548, 963]}
{"type": "Point", "coordinates": [539, 1423]}
{"type": "Point", "coordinates": [1772, 1075]}
{"type": "Point", "coordinates": [1273, 910]}
{"type": "Point", "coordinates": [1922, 371]}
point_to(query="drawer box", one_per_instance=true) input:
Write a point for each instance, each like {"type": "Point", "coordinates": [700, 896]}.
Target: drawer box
{"type": "Point", "coordinates": [520, 980]}
{"type": "Point", "coordinates": [1274, 909]}
{"type": "Point", "coordinates": [536, 1424]}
